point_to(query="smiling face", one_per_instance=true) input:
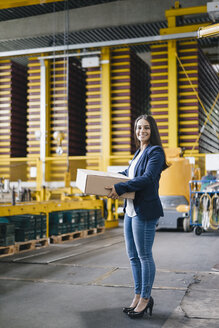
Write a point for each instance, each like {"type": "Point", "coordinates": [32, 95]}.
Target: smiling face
{"type": "Point", "coordinates": [143, 132]}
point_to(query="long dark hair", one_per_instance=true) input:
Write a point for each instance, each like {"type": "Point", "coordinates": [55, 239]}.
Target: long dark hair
{"type": "Point", "coordinates": [155, 136]}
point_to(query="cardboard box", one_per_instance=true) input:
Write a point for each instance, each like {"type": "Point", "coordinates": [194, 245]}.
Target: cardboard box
{"type": "Point", "coordinates": [92, 182]}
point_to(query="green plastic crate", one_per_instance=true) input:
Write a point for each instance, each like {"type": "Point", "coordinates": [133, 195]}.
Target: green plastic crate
{"type": "Point", "coordinates": [56, 217]}
{"type": "Point", "coordinates": [26, 222]}
{"type": "Point", "coordinates": [7, 241]}
{"type": "Point", "coordinates": [24, 235]}
{"type": "Point", "coordinates": [6, 229]}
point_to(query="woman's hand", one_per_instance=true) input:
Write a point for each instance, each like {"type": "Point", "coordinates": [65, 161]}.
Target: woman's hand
{"type": "Point", "coordinates": [113, 194]}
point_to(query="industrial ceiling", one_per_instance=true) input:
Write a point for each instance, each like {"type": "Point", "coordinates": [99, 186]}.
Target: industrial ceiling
{"type": "Point", "coordinates": [95, 34]}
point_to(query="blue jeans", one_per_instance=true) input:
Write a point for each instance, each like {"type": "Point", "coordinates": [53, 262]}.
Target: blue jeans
{"type": "Point", "coordinates": [139, 238]}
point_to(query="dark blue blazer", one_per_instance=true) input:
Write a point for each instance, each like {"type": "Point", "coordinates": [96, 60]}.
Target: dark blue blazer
{"type": "Point", "coordinates": [145, 183]}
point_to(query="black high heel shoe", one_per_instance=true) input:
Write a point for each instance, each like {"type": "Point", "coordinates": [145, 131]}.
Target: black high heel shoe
{"type": "Point", "coordinates": [128, 309]}
{"type": "Point", "coordinates": [133, 314]}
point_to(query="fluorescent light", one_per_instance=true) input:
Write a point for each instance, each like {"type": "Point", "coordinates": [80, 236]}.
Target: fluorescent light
{"type": "Point", "coordinates": [212, 30]}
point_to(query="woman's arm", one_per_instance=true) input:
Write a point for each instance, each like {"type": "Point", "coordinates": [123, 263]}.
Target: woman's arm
{"type": "Point", "coordinates": [112, 192]}
{"type": "Point", "coordinates": [154, 167]}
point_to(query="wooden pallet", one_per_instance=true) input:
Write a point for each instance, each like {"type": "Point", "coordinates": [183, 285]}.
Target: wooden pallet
{"type": "Point", "coordinates": [66, 237]}
{"type": "Point", "coordinates": [29, 245]}
{"type": "Point", "coordinates": [76, 235]}
{"type": "Point", "coordinates": [93, 231]}
{"type": "Point", "coordinates": [7, 250]}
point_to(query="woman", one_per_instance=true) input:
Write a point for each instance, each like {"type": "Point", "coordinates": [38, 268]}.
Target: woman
{"type": "Point", "coordinates": [142, 213]}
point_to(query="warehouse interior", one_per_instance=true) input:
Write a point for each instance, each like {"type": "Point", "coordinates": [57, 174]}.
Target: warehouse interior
{"type": "Point", "coordinates": [74, 76]}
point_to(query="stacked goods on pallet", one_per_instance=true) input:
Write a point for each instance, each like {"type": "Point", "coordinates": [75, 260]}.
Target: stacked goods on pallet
{"type": "Point", "coordinates": [33, 109]}
{"type": "Point", "coordinates": [7, 234]}
{"type": "Point", "coordinates": [159, 89]}
{"type": "Point", "coordinates": [93, 116]}
{"type": "Point", "coordinates": [188, 106]}
{"type": "Point", "coordinates": [130, 82]}
{"type": "Point", "coordinates": [29, 227]}
{"type": "Point", "coordinates": [74, 220]}
{"type": "Point", "coordinates": [56, 224]}
{"type": "Point", "coordinates": [208, 82]}
{"type": "Point", "coordinates": [13, 112]}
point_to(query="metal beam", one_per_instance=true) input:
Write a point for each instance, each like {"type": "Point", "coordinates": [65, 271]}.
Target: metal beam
{"type": "Point", "coordinates": [183, 29]}
{"type": "Point", "coordinates": [186, 11]}
{"type": "Point", "coordinates": [102, 15]}
{"type": "Point", "coordinates": [23, 3]}
{"type": "Point", "coordinates": [148, 39]}
{"type": "Point", "coordinates": [78, 54]}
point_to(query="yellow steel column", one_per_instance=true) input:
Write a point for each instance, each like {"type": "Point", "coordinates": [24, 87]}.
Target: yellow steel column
{"type": "Point", "coordinates": [172, 88]}
{"type": "Point", "coordinates": [48, 118]}
{"type": "Point", "coordinates": [106, 126]}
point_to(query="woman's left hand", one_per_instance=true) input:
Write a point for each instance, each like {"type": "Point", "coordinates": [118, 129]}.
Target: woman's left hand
{"type": "Point", "coordinates": [113, 194]}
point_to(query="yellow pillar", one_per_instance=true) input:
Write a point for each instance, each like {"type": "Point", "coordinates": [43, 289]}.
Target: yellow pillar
{"type": "Point", "coordinates": [39, 173]}
{"type": "Point", "coordinates": [172, 88]}
{"type": "Point", "coordinates": [47, 96]}
{"type": "Point", "coordinates": [106, 126]}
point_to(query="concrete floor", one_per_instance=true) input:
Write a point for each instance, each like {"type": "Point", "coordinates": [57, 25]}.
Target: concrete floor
{"type": "Point", "coordinates": [85, 283]}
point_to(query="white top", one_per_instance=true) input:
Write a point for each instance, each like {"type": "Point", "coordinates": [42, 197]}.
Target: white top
{"type": "Point", "coordinates": [130, 211]}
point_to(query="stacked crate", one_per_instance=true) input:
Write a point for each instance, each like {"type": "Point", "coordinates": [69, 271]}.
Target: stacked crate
{"type": "Point", "coordinates": [29, 227]}
{"type": "Point", "coordinates": [7, 234]}
{"type": "Point", "coordinates": [56, 224]}
{"type": "Point", "coordinates": [159, 89]}
{"type": "Point", "coordinates": [74, 220]}
{"type": "Point", "coordinates": [13, 112]}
